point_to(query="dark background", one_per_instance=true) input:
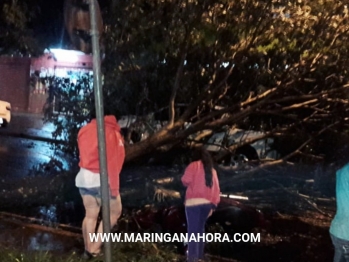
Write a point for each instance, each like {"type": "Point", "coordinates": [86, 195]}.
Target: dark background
{"type": "Point", "coordinates": [48, 22]}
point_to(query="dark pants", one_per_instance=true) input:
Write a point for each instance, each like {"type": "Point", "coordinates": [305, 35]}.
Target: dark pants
{"type": "Point", "coordinates": [196, 220]}
{"type": "Point", "coordinates": [341, 249]}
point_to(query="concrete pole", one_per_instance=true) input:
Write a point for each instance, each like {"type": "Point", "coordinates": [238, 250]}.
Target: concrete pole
{"type": "Point", "coordinates": [97, 78]}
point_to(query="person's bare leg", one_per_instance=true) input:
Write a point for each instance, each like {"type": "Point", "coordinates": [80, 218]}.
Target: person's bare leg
{"type": "Point", "coordinates": [92, 208]}
{"type": "Point", "coordinates": [115, 210]}
{"type": "Point", "coordinates": [115, 213]}
{"type": "Point", "coordinates": [95, 247]}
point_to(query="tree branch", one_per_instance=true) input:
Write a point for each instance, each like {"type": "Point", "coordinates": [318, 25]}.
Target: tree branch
{"type": "Point", "coordinates": [175, 89]}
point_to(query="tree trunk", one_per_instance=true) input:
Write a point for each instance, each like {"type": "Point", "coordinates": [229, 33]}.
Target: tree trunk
{"type": "Point", "coordinates": [149, 145]}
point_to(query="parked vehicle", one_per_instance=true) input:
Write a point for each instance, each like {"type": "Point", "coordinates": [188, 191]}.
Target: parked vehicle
{"type": "Point", "coordinates": [260, 149]}
{"type": "Point", "coordinates": [5, 113]}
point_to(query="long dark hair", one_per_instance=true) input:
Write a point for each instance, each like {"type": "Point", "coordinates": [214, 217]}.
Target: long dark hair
{"type": "Point", "coordinates": [202, 154]}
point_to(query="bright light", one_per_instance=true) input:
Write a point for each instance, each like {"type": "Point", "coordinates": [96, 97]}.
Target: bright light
{"type": "Point", "coordinates": [66, 55]}
{"type": "Point", "coordinates": [225, 64]}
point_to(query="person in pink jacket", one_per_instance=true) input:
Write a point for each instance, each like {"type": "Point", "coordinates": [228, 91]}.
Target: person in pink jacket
{"type": "Point", "coordinates": [88, 178]}
{"type": "Point", "coordinates": [201, 198]}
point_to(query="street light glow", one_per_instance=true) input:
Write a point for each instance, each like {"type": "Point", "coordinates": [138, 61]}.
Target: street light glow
{"type": "Point", "coordinates": [66, 55]}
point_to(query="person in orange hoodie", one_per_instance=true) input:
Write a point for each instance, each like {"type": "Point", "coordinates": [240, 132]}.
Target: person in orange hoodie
{"type": "Point", "coordinates": [201, 198]}
{"type": "Point", "coordinates": [88, 178]}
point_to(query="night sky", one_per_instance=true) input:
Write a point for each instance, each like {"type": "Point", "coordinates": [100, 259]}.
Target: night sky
{"type": "Point", "coordinates": [48, 24]}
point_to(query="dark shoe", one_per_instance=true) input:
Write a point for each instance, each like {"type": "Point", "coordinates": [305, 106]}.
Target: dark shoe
{"type": "Point", "coordinates": [89, 256]}
{"type": "Point", "coordinates": [86, 255]}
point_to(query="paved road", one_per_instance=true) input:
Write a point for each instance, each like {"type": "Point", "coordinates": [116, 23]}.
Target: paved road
{"type": "Point", "coordinates": [28, 124]}
{"type": "Point", "coordinates": [19, 155]}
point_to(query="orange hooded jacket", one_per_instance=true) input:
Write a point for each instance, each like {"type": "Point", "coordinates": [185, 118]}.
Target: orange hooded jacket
{"type": "Point", "coordinates": [88, 150]}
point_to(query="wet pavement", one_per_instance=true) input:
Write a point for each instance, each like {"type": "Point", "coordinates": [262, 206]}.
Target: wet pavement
{"type": "Point", "coordinates": [24, 145]}
{"type": "Point", "coordinates": [30, 235]}
{"type": "Point", "coordinates": [27, 124]}
{"type": "Point", "coordinates": [19, 155]}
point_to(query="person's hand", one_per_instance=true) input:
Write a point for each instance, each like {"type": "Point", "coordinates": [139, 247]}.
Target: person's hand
{"type": "Point", "coordinates": [210, 214]}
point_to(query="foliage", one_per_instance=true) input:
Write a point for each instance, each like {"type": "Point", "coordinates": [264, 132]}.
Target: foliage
{"type": "Point", "coordinates": [28, 27]}
{"type": "Point", "coordinates": [279, 67]}
{"type": "Point", "coordinates": [147, 252]}
{"type": "Point", "coordinates": [68, 107]}
{"type": "Point", "coordinates": [16, 256]}
{"type": "Point", "coordinates": [53, 167]}
{"type": "Point", "coordinates": [16, 36]}
{"type": "Point", "coordinates": [273, 66]}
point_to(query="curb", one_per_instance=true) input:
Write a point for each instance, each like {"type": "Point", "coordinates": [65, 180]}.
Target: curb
{"type": "Point", "coordinates": [38, 224]}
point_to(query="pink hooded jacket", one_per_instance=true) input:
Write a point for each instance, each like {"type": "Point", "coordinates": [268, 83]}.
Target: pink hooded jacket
{"type": "Point", "coordinates": [194, 180]}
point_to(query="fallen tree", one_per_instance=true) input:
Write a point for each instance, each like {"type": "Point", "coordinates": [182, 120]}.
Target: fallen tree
{"type": "Point", "coordinates": [276, 67]}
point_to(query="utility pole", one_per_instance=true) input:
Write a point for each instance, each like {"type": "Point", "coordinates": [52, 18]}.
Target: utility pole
{"type": "Point", "coordinates": [97, 84]}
